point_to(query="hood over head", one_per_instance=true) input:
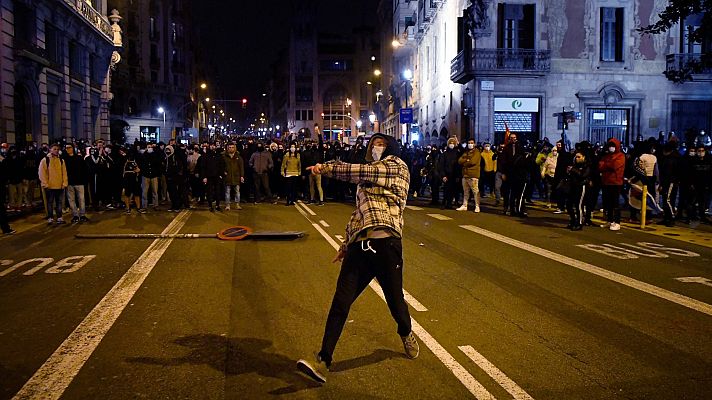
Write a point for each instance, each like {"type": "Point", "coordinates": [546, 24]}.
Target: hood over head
{"type": "Point", "coordinates": [616, 143]}
{"type": "Point", "coordinates": [392, 148]}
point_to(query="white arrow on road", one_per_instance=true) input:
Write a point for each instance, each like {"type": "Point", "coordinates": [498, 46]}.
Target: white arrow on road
{"type": "Point", "coordinates": [695, 279]}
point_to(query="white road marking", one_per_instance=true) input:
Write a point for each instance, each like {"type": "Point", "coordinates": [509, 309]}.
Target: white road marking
{"type": "Point", "coordinates": [440, 217]}
{"type": "Point", "coordinates": [414, 208]}
{"type": "Point", "coordinates": [417, 306]}
{"type": "Point", "coordinates": [56, 374]}
{"type": "Point", "coordinates": [43, 262]}
{"type": "Point", "coordinates": [309, 210]}
{"type": "Point", "coordinates": [695, 279]}
{"type": "Point", "coordinates": [324, 224]}
{"type": "Point", "coordinates": [509, 385]}
{"type": "Point", "coordinates": [603, 273]}
{"type": "Point", "coordinates": [464, 376]}
{"type": "Point", "coordinates": [340, 238]}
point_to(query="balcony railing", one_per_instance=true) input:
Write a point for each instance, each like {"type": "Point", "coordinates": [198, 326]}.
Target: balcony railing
{"type": "Point", "coordinates": [686, 64]}
{"type": "Point", "coordinates": [93, 17]}
{"type": "Point", "coordinates": [499, 62]}
{"type": "Point", "coordinates": [511, 61]}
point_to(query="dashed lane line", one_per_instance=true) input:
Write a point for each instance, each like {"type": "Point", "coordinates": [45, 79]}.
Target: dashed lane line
{"type": "Point", "coordinates": [324, 224]}
{"type": "Point", "coordinates": [500, 377]}
{"type": "Point", "coordinates": [309, 210]}
{"type": "Point", "coordinates": [414, 208]}
{"type": "Point", "coordinates": [601, 272]}
{"type": "Point", "coordinates": [440, 217]}
{"type": "Point", "coordinates": [57, 373]}
{"type": "Point", "coordinates": [462, 374]}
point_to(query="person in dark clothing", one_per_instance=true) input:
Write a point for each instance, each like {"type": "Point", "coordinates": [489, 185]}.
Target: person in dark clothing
{"type": "Point", "coordinates": [564, 161]}
{"type": "Point", "coordinates": [212, 167]}
{"type": "Point", "coordinates": [150, 165]}
{"type": "Point", "coordinates": [669, 169]}
{"type": "Point", "coordinates": [685, 202]}
{"type": "Point", "coordinates": [78, 176]}
{"type": "Point", "coordinates": [523, 163]}
{"type": "Point", "coordinates": [506, 165]}
{"type": "Point", "coordinates": [175, 177]}
{"type": "Point", "coordinates": [4, 225]}
{"type": "Point", "coordinates": [432, 160]}
{"type": "Point", "coordinates": [116, 161]}
{"type": "Point", "coordinates": [579, 176]}
{"type": "Point", "coordinates": [701, 174]}
{"type": "Point", "coordinates": [98, 169]}
{"type": "Point", "coordinates": [131, 181]}
{"type": "Point", "coordinates": [310, 157]}
{"type": "Point", "coordinates": [449, 171]}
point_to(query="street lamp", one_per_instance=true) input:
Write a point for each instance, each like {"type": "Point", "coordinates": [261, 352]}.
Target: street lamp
{"type": "Point", "coordinates": [407, 75]}
{"type": "Point", "coordinates": [377, 72]}
{"type": "Point", "coordinates": [203, 85]}
{"type": "Point", "coordinates": [161, 110]}
{"type": "Point", "coordinates": [359, 124]}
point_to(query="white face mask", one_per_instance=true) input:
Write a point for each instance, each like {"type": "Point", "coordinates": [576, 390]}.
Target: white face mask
{"type": "Point", "coordinates": [470, 146]}
{"type": "Point", "coordinates": [487, 148]}
{"type": "Point", "coordinates": [611, 149]}
{"type": "Point", "coordinates": [451, 146]}
{"type": "Point", "coordinates": [108, 151]}
{"type": "Point", "coordinates": [377, 152]}
{"type": "Point", "coordinates": [292, 149]}
{"type": "Point", "coordinates": [150, 150]}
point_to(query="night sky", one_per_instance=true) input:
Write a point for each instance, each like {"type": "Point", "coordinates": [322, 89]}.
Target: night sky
{"type": "Point", "coordinates": [241, 39]}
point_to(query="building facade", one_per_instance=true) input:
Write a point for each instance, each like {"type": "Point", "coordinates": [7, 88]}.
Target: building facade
{"type": "Point", "coordinates": [329, 79]}
{"type": "Point", "coordinates": [56, 59]}
{"type": "Point", "coordinates": [156, 94]}
{"type": "Point", "coordinates": [543, 68]}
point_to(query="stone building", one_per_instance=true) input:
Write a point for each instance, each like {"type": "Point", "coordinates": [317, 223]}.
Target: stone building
{"type": "Point", "coordinates": [526, 62]}
{"type": "Point", "coordinates": [329, 79]}
{"type": "Point", "coordinates": [155, 91]}
{"type": "Point", "coordinates": [55, 62]}
{"type": "Point", "coordinates": [543, 68]}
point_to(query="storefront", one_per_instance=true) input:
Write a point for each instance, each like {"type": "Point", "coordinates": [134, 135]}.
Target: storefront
{"type": "Point", "coordinates": [522, 115]}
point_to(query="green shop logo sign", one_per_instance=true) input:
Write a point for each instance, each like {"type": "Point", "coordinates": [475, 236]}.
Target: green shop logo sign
{"type": "Point", "coordinates": [516, 104]}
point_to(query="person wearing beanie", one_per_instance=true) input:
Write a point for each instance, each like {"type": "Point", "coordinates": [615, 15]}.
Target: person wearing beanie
{"type": "Point", "coordinates": [449, 172]}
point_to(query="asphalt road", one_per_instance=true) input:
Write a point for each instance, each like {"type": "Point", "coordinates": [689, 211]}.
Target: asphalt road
{"type": "Point", "coordinates": [503, 308]}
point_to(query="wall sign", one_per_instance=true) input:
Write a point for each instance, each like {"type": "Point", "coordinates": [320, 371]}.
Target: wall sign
{"type": "Point", "coordinates": [516, 104]}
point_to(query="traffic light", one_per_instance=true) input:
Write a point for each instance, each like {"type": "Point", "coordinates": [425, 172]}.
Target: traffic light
{"type": "Point", "coordinates": [244, 103]}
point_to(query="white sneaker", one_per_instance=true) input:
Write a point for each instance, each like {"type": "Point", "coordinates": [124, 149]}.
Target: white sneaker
{"type": "Point", "coordinates": [477, 209]}
{"type": "Point", "coordinates": [227, 207]}
{"type": "Point", "coordinates": [606, 225]}
{"type": "Point", "coordinates": [615, 227]}
{"type": "Point", "coordinates": [461, 208]}
{"type": "Point", "coordinates": [559, 211]}
{"type": "Point", "coordinates": [50, 221]}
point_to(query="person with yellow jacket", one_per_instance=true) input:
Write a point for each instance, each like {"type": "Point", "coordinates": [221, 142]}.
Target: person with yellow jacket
{"type": "Point", "coordinates": [291, 171]}
{"type": "Point", "coordinates": [489, 167]}
{"type": "Point", "coordinates": [53, 178]}
{"type": "Point", "coordinates": [470, 161]}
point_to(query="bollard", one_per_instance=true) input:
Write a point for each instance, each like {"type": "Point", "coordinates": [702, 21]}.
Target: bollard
{"type": "Point", "coordinates": [643, 207]}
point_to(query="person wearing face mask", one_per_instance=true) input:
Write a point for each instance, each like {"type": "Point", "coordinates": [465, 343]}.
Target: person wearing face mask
{"type": "Point", "coordinates": [196, 187]}
{"type": "Point", "coordinates": [78, 176]}
{"type": "Point", "coordinates": [548, 170]}
{"type": "Point", "coordinates": [373, 246]}
{"type": "Point", "coordinates": [669, 167]}
{"type": "Point", "coordinates": [487, 172]}
{"type": "Point", "coordinates": [291, 170]}
{"type": "Point", "coordinates": [150, 165]}
{"type": "Point", "coordinates": [685, 203]}
{"type": "Point", "coordinates": [449, 171]}
{"type": "Point", "coordinates": [612, 170]}
{"type": "Point", "coordinates": [262, 164]}
{"type": "Point", "coordinates": [212, 169]}
{"type": "Point", "coordinates": [234, 175]}
{"type": "Point", "coordinates": [579, 176]}
{"type": "Point", "coordinates": [470, 162]}
{"type": "Point", "coordinates": [53, 178]}
{"type": "Point", "coordinates": [701, 179]}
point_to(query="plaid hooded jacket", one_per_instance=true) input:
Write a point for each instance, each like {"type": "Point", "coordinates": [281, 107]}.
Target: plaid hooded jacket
{"type": "Point", "coordinates": [381, 194]}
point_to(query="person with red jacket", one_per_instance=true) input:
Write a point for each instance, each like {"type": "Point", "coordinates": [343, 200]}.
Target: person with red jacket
{"type": "Point", "coordinates": [611, 167]}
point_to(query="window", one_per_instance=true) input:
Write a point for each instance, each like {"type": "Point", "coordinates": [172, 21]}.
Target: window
{"type": "Point", "coordinates": [76, 58]}
{"type": "Point", "coordinates": [174, 32]}
{"type": "Point", "coordinates": [515, 26]}
{"type": "Point", "coordinates": [605, 123]}
{"type": "Point", "coordinates": [611, 34]}
{"type": "Point", "coordinates": [133, 106]}
{"type": "Point", "coordinates": [310, 115]}
{"type": "Point", "coordinates": [336, 65]}
{"type": "Point", "coordinates": [304, 93]}
{"type": "Point", "coordinates": [52, 44]}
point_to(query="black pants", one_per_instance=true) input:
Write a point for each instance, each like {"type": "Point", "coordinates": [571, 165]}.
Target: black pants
{"type": "Point", "coordinates": [575, 205]}
{"type": "Point", "coordinates": [486, 181]}
{"type": "Point", "coordinates": [3, 215]}
{"type": "Point", "coordinates": [611, 202]}
{"type": "Point", "coordinates": [669, 194]}
{"type": "Point", "coordinates": [291, 186]}
{"type": "Point", "coordinates": [517, 194]}
{"type": "Point", "coordinates": [450, 191]}
{"type": "Point", "coordinates": [379, 258]}
{"type": "Point", "coordinates": [262, 184]}
{"type": "Point", "coordinates": [176, 190]}
{"type": "Point", "coordinates": [214, 191]}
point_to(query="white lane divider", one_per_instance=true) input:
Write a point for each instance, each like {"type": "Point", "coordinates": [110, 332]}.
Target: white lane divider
{"type": "Point", "coordinates": [417, 306]}
{"type": "Point", "coordinates": [462, 374]}
{"type": "Point", "coordinates": [324, 224]}
{"type": "Point", "coordinates": [340, 238]}
{"type": "Point", "coordinates": [440, 217]}
{"type": "Point", "coordinates": [603, 273]}
{"type": "Point", "coordinates": [503, 380]}
{"type": "Point", "coordinates": [309, 210]}
{"type": "Point", "coordinates": [56, 374]}
{"type": "Point", "coordinates": [414, 208]}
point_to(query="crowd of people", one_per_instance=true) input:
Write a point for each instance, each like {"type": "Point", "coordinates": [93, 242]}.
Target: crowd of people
{"type": "Point", "coordinates": [144, 176]}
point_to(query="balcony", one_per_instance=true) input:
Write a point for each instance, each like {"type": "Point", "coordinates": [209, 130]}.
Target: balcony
{"type": "Point", "coordinates": [508, 62]}
{"type": "Point", "coordinates": [499, 62]}
{"type": "Point", "coordinates": [31, 51]}
{"type": "Point", "coordinates": [92, 17]}
{"type": "Point", "coordinates": [688, 67]}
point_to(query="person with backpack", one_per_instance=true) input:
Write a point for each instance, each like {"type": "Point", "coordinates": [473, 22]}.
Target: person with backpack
{"type": "Point", "coordinates": [53, 179]}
